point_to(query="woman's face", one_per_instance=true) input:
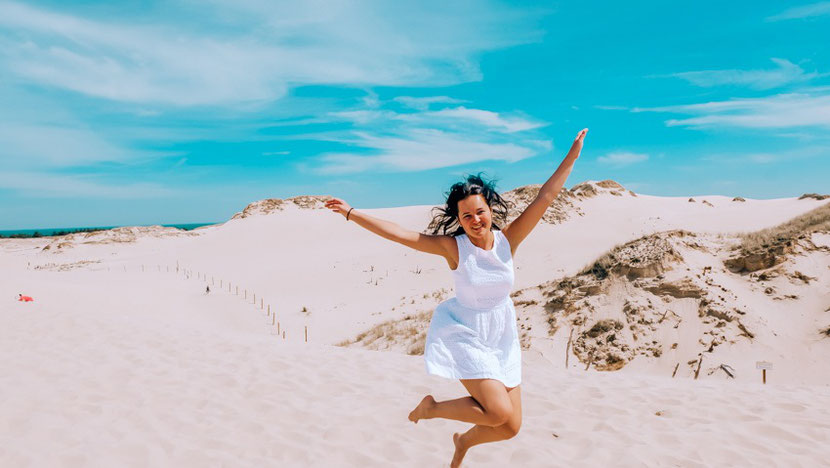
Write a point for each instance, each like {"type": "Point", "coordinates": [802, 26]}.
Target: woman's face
{"type": "Point", "coordinates": [475, 215]}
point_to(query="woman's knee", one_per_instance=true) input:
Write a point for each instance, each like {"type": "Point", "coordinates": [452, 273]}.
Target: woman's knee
{"type": "Point", "coordinates": [511, 428]}
{"type": "Point", "coordinates": [500, 413]}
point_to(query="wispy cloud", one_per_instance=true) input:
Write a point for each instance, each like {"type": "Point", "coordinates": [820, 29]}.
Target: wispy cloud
{"type": "Point", "coordinates": [786, 72]}
{"type": "Point", "coordinates": [804, 11]}
{"type": "Point", "coordinates": [282, 44]}
{"type": "Point", "coordinates": [486, 118]}
{"type": "Point", "coordinates": [424, 149]}
{"type": "Point", "coordinates": [809, 108]}
{"type": "Point", "coordinates": [388, 140]}
{"type": "Point", "coordinates": [622, 158]}
{"type": "Point", "coordinates": [423, 103]}
{"type": "Point", "coordinates": [449, 117]}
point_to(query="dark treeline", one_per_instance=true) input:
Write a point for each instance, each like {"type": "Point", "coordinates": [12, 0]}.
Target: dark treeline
{"type": "Point", "coordinates": [52, 234]}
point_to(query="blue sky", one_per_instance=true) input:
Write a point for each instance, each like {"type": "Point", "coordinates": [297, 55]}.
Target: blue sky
{"type": "Point", "coordinates": [118, 113]}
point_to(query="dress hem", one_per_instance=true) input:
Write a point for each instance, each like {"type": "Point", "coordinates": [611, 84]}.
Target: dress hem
{"type": "Point", "coordinates": [450, 374]}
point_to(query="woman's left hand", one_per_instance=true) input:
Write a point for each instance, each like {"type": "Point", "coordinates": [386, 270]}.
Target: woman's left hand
{"type": "Point", "coordinates": [577, 145]}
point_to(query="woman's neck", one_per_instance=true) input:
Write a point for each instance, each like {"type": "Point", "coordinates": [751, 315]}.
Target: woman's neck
{"type": "Point", "coordinates": [485, 243]}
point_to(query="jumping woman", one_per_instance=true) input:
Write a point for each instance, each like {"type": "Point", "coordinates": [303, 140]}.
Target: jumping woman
{"type": "Point", "coordinates": [473, 337]}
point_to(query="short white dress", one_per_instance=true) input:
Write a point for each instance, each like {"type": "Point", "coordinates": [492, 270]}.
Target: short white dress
{"type": "Point", "coordinates": [474, 335]}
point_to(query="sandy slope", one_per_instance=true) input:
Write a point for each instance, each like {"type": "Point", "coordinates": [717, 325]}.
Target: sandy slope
{"type": "Point", "coordinates": [89, 380]}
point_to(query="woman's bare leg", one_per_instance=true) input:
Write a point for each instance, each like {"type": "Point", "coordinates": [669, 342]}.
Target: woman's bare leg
{"type": "Point", "coordinates": [479, 434]}
{"type": "Point", "coordinates": [490, 405]}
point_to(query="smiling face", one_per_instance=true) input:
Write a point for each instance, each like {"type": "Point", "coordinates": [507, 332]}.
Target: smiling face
{"type": "Point", "coordinates": [475, 216]}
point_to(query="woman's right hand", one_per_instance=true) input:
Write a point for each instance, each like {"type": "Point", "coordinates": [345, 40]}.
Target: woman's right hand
{"type": "Point", "coordinates": [338, 206]}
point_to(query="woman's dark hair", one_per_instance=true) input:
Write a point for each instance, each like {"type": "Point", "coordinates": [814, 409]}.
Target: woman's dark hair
{"type": "Point", "coordinates": [445, 219]}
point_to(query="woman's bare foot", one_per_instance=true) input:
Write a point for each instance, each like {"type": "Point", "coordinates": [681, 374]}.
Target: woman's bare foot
{"type": "Point", "coordinates": [420, 411]}
{"type": "Point", "coordinates": [460, 451]}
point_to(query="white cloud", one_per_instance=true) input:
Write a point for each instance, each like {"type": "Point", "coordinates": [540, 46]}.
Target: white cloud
{"type": "Point", "coordinates": [804, 11]}
{"type": "Point", "coordinates": [810, 108]}
{"type": "Point", "coordinates": [452, 117]}
{"type": "Point", "coordinates": [423, 103]}
{"type": "Point", "coordinates": [785, 73]}
{"type": "Point", "coordinates": [422, 149]}
{"type": "Point", "coordinates": [424, 140]}
{"type": "Point", "coordinates": [255, 50]}
{"type": "Point", "coordinates": [622, 158]}
{"type": "Point", "coordinates": [486, 118]}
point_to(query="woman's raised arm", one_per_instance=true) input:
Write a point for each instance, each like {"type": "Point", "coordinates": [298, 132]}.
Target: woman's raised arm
{"type": "Point", "coordinates": [520, 227]}
{"type": "Point", "coordinates": [437, 245]}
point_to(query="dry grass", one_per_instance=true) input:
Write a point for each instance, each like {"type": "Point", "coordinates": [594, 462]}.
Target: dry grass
{"type": "Point", "coordinates": [408, 333]}
{"type": "Point", "coordinates": [812, 221]}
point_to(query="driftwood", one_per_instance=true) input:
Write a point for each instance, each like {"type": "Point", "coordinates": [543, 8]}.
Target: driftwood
{"type": "Point", "coordinates": [730, 374]}
{"type": "Point", "coordinates": [675, 370]}
{"type": "Point", "coordinates": [663, 317]}
{"type": "Point", "coordinates": [699, 362]}
{"type": "Point", "coordinates": [568, 348]}
{"type": "Point", "coordinates": [590, 361]}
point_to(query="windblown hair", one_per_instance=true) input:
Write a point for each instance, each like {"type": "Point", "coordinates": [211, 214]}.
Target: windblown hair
{"type": "Point", "coordinates": [445, 219]}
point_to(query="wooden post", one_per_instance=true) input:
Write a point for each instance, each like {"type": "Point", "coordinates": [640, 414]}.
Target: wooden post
{"type": "Point", "coordinates": [278, 328]}
{"type": "Point", "coordinates": [246, 294]}
{"type": "Point", "coordinates": [699, 362]}
{"type": "Point", "coordinates": [254, 298]}
{"type": "Point", "coordinates": [306, 333]}
{"type": "Point", "coordinates": [763, 365]}
{"type": "Point", "coordinates": [568, 348]}
{"type": "Point", "coordinates": [273, 318]}
{"type": "Point", "coordinates": [283, 334]}
{"type": "Point", "coordinates": [261, 302]}
{"type": "Point", "coordinates": [269, 311]}
{"type": "Point", "coordinates": [675, 370]}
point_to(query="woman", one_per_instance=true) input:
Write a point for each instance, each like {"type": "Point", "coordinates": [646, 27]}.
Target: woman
{"type": "Point", "coordinates": [473, 336]}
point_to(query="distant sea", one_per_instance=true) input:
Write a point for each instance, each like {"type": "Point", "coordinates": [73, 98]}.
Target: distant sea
{"type": "Point", "coordinates": [51, 231]}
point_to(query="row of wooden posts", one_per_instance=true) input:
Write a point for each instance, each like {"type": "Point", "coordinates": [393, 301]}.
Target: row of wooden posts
{"type": "Point", "coordinates": [201, 276]}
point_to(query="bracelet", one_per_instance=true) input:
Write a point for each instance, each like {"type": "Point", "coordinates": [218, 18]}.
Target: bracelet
{"type": "Point", "coordinates": [347, 214]}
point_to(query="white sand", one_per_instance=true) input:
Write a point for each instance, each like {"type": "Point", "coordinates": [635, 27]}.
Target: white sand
{"type": "Point", "coordinates": [139, 368]}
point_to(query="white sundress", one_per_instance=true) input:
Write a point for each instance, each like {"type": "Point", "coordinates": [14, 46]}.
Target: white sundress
{"type": "Point", "coordinates": [474, 335]}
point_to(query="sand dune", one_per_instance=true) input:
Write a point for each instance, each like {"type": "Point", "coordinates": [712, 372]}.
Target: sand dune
{"type": "Point", "coordinates": [124, 361]}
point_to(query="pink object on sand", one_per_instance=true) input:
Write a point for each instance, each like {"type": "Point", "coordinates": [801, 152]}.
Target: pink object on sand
{"type": "Point", "coordinates": [26, 299]}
